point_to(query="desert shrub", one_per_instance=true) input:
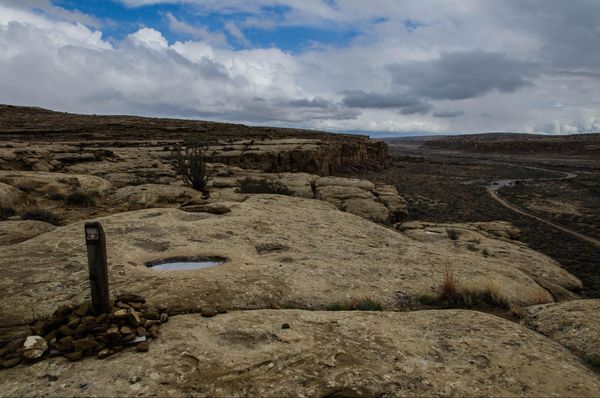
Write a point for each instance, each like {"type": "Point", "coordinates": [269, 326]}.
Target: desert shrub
{"type": "Point", "coordinates": [486, 253]}
{"type": "Point", "coordinates": [452, 296]}
{"type": "Point", "coordinates": [593, 360]}
{"type": "Point", "coordinates": [42, 215]}
{"type": "Point", "coordinates": [55, 195]}
{"type": "Point", "coordinates": [453, 233]}
{"type": "Point", "coordinates": [541, 297]}
{"type": "Point", "coordinates": [368, 304]}
{"type": "Point", "coordinates": [365, 304]}
{"type": "Point", "coordinates": [6, 212]}
{"type": "Point", "coordinates": [80, 198]}
{"type": "Point", "coordinates": [336, 307]}
{"type": "Point", "coordinates": [27, 188]}
{"type": "Point", "coordinates": [487, 297]}
{"type": "Point", "coordinates": [448, 288]}
{"type": "Point", "coordinates": [250, 185]}
{"type": "Point", "coordinates": [189, 161]}
{"type": "Point", "coordinates": [427, 299]}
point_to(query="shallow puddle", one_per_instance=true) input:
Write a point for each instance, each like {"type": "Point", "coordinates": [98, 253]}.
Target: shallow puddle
{"type": "Point", "coordinates": [186, 264]}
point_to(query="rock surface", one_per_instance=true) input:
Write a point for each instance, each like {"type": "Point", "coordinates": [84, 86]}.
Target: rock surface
{"type": "Point", "coordinates": [331, 257]}
{"type": "Point", "coordinates": [10, 196]}
{"type": "Point", "coordinates": [44, 182]}
{"type": "Point", "coordinates": [425, 353]}
{"type": "Point", "coordinates": [12, 232]}
{"type": "Point", "coordinates": [574, 324]}
{"type": "Point", "coordinates": [156, 195]}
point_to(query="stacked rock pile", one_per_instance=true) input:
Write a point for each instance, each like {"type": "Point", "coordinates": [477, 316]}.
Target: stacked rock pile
{"type": "Point", "coordinates": [74, 332]}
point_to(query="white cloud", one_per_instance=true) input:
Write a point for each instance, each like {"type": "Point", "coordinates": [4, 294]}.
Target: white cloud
{"type": "Point", "coordinates": [52, 50]}
{"type": "Point", "coordinates": [150, 38]}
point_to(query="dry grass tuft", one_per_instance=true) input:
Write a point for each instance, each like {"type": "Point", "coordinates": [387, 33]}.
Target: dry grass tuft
{"type": "Point", "coordinates": [541, 297]}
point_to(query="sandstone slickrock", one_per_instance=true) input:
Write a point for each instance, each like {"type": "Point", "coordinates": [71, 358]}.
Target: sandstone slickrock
{"type": "Point", "coordinates": [574, 324]}
{"type": "Point", "coordinates": [12, 232]}
{"type": "Point", "coordinates": [44, 182]}
{"type": "Point", "coordinates": [10, 196]}
{"type": "Point", "coordinates": [332, 257]}
{"type": "Point", "coordinates": [425, 353]}
{"type": "Point", "coordinates": [155, 195]}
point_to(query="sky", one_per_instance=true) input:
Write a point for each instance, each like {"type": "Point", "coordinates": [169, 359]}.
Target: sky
{"type": "Point", "coordinates": [381, 67]}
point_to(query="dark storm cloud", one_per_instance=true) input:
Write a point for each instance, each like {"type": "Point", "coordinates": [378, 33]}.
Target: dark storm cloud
{"type": "Point", "coordinates": [421, 108]}
{"type": "Point", "coordinates": [462, 75]}
{"type": "Point", "coordinates": [317, 102]}
{"type": "Point", "coordinates": [408, 103]}
{"type": "Point", "coordinates": [569, 31]}
{"type": "Point", "coordinates": [448, 114]}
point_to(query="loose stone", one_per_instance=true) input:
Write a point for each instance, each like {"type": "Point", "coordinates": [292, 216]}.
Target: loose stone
{"type": "Point", "coordinates": [34, 348]}
{"type": "Point", "coordinates": [9, 363]}
{"type": "Point", "coordinates": [142, 347]}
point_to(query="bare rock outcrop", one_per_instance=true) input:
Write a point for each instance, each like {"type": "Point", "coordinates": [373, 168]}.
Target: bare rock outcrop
{"type": "Point", "coordinates": [45, 182]}
{"type": "Point", "coordinates": [10, 196]}
{"type": "Point", "coordinates": [492, 240]}
{"type": "Point", "coordinates": [574, 324]}
{"type": "Point", "coordinates": [332, 257]}
{"type": "Point", "coordinates": [425, 353]}
{"type": "Point", "coordinates": [300, 155]}
{"type": "Point", "coordinates": [12, 232]}
{"type": "Point", "coordinates": [156, 195]}
{"type": "Point", "coordinates": [376, 202]}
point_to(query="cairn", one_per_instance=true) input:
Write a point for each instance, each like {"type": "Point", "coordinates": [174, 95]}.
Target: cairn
{"type": "Point", "coordinates": [74, 332]}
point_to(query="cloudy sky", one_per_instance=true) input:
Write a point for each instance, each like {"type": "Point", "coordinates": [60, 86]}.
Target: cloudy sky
{"type": "Point", "coordinates": [385, 67]}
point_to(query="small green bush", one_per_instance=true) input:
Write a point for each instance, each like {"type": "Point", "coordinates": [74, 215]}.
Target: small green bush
{"type": "Point", "coordinates": [27, 188]}
{"type": "Point", "coordinates": [42, 215]}
{"type": "Point", "coordinates": [336, 307]}
{"type": "Point", "coordinates": [593, 360]}
{"type": "Point", "coordinates": [365, 304]}
{"type": "Point", "coordinates": [453, 234]}
{"type": "Point", "coordinates": [250, 185]}
{"type": "Point", "coordinates": [80, 198]}
{"type": "Point", "coordinates": [427, 299]}
{"type": "Point", "coordinates": [6, 212]}
{"type": "Point", "coordinates": [368, 304]}
{"type": "Point", "coordinates": [55, 196]}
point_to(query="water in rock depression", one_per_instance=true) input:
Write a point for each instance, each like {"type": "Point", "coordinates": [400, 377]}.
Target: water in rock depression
{"type": "Point", "coordinates": [184, 264]}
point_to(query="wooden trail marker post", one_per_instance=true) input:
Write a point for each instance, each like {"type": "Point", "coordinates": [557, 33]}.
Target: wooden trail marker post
{"type": "Point", "coordinates": [95, 242]}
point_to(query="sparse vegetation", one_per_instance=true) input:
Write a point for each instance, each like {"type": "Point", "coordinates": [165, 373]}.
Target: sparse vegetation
{"type": "Point", "coordinates": [80, 198]}
{"type": "Point", "coordinates": [541, 297]}
{"type": "Point", "coordinates": [453, 233]}
{"type": "Point", "coordinates": [593, 360]}
{"type": "Point", "coordinates": [6, 212]}
{"type": "Point", "coordinates": [55, 195]}
{"type": "Point", "coordinates": [250, 185]}
{"type": "Point", "coordinates": [42, 215]}
{"type": "Point", "coordinates": [189, 161]}
{"type": "Point", "coordinates": [365, 304]}
{"type": "Point", "coordinates": [453, 296]}
{"type": "Point", "coordinates": [27, 188]}
{"type": "Point", "coordinates": [427, 299]}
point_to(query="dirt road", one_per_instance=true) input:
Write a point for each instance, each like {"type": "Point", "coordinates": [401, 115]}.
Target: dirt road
{"type": "Point", "coordinates": [493, 188]}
